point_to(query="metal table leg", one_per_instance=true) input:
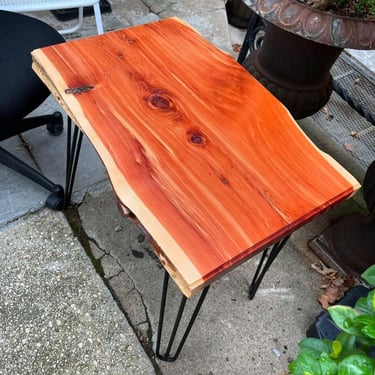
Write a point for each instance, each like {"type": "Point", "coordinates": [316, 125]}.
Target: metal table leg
{"type": "Point", "coordinates": [72, 156]}
{"type": "Point", "coordinates": [267, 259]}
{"type": "Point", "coordinates": [167, 356]}
{"type": "Point", "coordinates": [265, 265]}
{"type": "Point", "coordinates": [251, 41]}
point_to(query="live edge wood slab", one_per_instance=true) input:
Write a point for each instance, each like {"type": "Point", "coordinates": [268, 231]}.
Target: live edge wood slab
{"type": "Point", "coordinates": [210, 163]}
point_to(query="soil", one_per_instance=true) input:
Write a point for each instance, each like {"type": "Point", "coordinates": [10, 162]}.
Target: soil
{"type": "Point", "coordinates": [347, 8]}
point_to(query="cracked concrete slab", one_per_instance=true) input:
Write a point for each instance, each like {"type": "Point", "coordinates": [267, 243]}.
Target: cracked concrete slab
{"type": "Point", "coordinates": [132, 302]}
{"type": "Point", "coordinates": [56, 314]}
{"type": "Point", "coordinates": [208, 17]}
{"type": "Point", "coordinates": [133, 12]}
{"type": "Point", "coordinates": [121, 242]}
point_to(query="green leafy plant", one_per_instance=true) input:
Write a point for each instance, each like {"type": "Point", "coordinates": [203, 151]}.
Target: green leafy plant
{"type": "Point", "coordinates": [365, 6]}
{"type": "Point", "coordinates": [348, 354]}
{"type": "Point", "coordinates": [352, 8]}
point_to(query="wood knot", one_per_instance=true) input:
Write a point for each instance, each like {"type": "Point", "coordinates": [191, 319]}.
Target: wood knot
{"type": "Point", "coordinates": [159, 101]}
{"type": "Point", "coordinates": [224, 180]}
{"type": "Point", "coordinates": [196, 137]}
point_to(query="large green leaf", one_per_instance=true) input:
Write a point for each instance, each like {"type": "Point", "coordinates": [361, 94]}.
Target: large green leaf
{"type": "Point", "coordinates": [369, 331]}
{"type": "Point", "coordinates": [364, 319]}
{"type": "Point", "coordinates": [344, 316]}
{"type": "Point", "coordinates": [315, 346]}
{"type": "Point", "coordinates": [347, 341]}
{"type": "Point", "coordinates": [305, 364]}
{"type": "Point", "coordinates": [364, 304]}
{"type": "Point", "coordinates": [371, 300]}
{"type": "Point", "coordinates": [349, 345]}
{"type": "Point", "coordinates": [327, 365]}
{"type": "Point", "coordinates": [369, 275]}
{"type": "Point", "coordinates": [356, 364]}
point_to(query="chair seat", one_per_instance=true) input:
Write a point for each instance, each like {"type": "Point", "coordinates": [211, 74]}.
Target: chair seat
{"type": "Point", "coordinates": [21, 91]}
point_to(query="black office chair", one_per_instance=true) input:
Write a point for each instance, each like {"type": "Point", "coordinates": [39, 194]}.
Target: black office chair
{"type": "Point", "coordinates": [21, 91]}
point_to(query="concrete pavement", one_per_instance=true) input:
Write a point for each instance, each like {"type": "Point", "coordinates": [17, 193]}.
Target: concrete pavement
{"type": "Point", "coordinates": [56, 314]}
{"type": "Point", "coordinates": [80, 290]}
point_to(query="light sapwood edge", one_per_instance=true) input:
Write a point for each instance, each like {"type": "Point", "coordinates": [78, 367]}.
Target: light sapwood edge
{"type": "Point", "coordinates": [52, 88]}
{"type": "Point", "coordinates": [187, 289]}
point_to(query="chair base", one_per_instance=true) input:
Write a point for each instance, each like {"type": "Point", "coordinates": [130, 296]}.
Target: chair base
{"type": "Point", "coordinates": [54, 123]}
{"type": "Point", "coordinates": [55, 200]}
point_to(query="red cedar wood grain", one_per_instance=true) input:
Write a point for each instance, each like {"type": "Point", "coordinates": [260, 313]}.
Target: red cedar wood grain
{"type": "Point", "coordinates": [209, 162]}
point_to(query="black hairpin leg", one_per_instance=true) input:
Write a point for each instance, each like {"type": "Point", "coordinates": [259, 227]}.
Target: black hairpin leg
{"type": "Point", "coordinates": [167, 355]}
{"type": "Point", "coordinates": [251, 40]}
{"type": "Point", "coordinates": [265, 265]}
{"type": "Point", "coordinates": [72, 156]}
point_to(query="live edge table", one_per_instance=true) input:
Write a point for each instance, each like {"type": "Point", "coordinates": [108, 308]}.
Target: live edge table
{"type": "Point", "coordinates": [203, 157]}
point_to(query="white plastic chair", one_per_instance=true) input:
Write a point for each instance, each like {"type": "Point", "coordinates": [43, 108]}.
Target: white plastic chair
{"type": "Point", "coordinates": [24, 6]}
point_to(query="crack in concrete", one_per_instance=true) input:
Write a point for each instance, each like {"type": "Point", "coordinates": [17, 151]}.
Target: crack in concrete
{"type": "Point", "coordinates": [113, 276]}
{"type": "Point", "coordinates": [75, 222]}
{"type": "Point", "coordinates": [95, 242]}
{"type": "Point", "coordinates": [134, 288]}
{"type": "Point", "coordinates": [150, 7]}
{"type": "Point", "coordinates": [145, 308]}
{"type": "Point", "coordinates": [146, 341]}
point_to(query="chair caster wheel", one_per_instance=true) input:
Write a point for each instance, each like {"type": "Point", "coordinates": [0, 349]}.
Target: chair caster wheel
{"type": "Point", "coordinates": [55, 201]}
{"type": "Point", "coordinates": [56, 126]}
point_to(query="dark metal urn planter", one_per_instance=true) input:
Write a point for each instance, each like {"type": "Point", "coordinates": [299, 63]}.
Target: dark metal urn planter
{"type": "Point", "coordinates": [350, 242]}
{"type": "Point", "coordinates": [299, 48]}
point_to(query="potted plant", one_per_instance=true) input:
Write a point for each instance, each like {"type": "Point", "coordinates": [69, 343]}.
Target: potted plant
{"type": "Point", "coordinates": [302, 43]}
{"type": "Point", "coordinates": [350, 353]}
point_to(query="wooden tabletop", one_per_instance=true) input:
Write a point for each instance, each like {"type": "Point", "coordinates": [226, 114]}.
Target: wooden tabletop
{"type": "Point", "coordinates": [210, 163]}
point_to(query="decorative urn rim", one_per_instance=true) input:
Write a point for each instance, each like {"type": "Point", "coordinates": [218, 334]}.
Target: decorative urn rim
{"type": "Point", "coordinates": [322, 27]}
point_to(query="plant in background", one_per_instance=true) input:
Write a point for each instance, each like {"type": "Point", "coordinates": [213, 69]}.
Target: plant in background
{"type": "Point", "coordinates": [349, 353]}
{"type": "Point", "coordinates": [351, 8]}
